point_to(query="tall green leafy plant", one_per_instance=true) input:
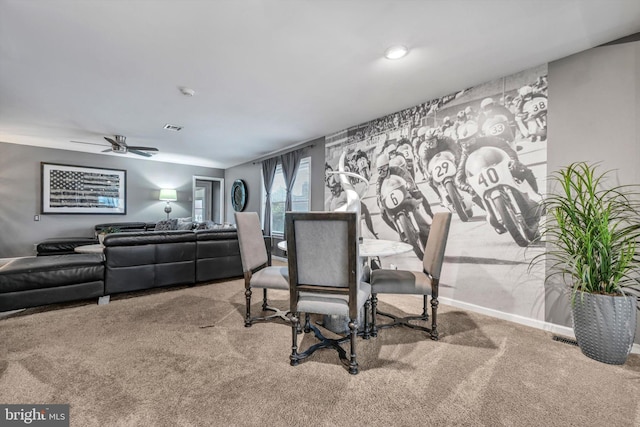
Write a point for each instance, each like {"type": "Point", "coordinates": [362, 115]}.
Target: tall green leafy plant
{"type": "Point", "coordinates": [592, 231]}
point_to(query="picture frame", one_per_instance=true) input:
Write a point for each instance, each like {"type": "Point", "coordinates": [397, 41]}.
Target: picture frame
{"type": "Point", "coordinates": [68, 189]}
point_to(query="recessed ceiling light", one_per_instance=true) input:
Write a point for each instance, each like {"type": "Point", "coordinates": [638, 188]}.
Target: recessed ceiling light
{"type": "Point", "coordinates": [396, 52]}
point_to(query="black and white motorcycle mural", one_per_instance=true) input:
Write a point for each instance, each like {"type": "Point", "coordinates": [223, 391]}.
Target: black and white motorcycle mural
{"type": "Point", "coordinates": [480, 153]}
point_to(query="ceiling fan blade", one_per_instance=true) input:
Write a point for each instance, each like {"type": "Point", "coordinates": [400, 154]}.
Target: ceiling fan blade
{"type": "Point", "coordinates": [133, 147]}
{"type": "Point", "coordinates": [140, 153]}
{"type": "Point", "coordinates": [89, 143]}
{"type": "Point", "coordinates": [112, 142]}
{"type": "Point", "coordinates": [107, 150]}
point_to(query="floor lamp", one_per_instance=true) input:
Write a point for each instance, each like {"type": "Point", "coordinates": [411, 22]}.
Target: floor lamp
{"type": "Point", "coordinates": [168, 196]}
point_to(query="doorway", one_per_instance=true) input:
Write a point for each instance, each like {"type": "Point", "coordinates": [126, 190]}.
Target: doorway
{"type": "Point", "coordinates": [208, 199]}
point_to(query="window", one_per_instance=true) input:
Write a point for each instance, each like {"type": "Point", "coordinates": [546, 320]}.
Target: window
{"type": "Point", "coordinates": [300, 198]}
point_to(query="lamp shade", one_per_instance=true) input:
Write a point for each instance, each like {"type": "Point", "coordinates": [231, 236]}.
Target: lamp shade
{"type": "Point", "coordinates": [168, 195]}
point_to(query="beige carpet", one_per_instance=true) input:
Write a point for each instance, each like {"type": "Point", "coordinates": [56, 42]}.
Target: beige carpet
{"type": "Point", "coordinates": [145, 360]}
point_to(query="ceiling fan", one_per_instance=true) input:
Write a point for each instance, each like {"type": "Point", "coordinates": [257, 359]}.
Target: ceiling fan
{"type": "Point", "coordinates": [119, 145]}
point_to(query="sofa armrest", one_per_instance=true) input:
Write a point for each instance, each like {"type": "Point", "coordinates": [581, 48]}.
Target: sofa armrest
{"type": "Point", "coordinates": [62, 245]}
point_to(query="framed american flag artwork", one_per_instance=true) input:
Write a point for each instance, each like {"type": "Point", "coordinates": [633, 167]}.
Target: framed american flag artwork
{"type": "Point", "coordinates": [68, 189]}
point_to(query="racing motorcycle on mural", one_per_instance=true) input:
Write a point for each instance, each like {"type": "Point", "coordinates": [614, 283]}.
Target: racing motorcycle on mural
{"type": "Point", "coordinates": [509, 203]}
{"type": "Point", "coordinates": [498, 126]}
{"type": "Point", "coordinates": [532, 119]}
{"type": "Point", "coordinates": [442, 169]}
{"type": "Point", "coordinates": [407, 214]}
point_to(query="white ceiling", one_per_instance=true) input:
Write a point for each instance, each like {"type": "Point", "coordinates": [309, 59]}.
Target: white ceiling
{"type": "Point", "coordinates": [268, 74]}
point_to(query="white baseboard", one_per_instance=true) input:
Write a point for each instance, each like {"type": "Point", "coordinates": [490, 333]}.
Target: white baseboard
{"type": "Point", "coordinates": [545, 326]}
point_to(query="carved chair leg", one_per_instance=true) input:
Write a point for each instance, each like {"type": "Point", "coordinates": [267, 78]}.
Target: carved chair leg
{"type": "Point", "coordinates": [295, 325]}
{"type": "Point", "coordinates": [307, 323]}
{"type": "Point", "coordinates": [434, 317]}
{"type": "Point", "coordinates": [247, 319]}
{"type": "Point", "coordinates": [353, 364]}
{"type": "Point", "coordinates": [264, 299]}
{"type": "Point", "coordinates": [374, 311]}
{"type": "Point", "coordinates": [366, 330]}
{"type": "Point", "coordinates": [425, 304]}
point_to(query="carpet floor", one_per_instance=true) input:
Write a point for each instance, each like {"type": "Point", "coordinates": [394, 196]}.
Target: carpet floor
{"type": "Point", "coordinates": [182, 357]}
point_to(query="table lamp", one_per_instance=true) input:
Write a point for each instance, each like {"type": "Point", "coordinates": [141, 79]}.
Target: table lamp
{"type": "Point", "coordinates": [168, 196]}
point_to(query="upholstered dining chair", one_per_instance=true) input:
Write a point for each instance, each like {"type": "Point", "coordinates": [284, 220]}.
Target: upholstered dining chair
{"type": "Point", "coordinates": [425, 282]}
{"type": "Point", "coordinates": [324, 272]}
{"type": "Point", "coordinates": [258, 273]}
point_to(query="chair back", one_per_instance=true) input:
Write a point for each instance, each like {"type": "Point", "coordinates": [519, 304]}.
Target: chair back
{"type": "Point", "coordinates": [252, 248]}
{"type": "Point", "coordinates": [436, 244]}
{"type": "Point", "coordinates": [322, 251]}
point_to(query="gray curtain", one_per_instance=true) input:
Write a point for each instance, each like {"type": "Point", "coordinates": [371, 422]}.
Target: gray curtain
{"type": "Point", "coordinates": [268, 174]}
{"type": "Point", "coordinates": [290, 164]}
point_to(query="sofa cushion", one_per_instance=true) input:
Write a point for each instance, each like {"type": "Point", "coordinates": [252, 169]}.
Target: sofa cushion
{"type": "Point", "coordinates": [62, 245]}
{"type": "Point", "coordinates": [210, 225]}
{"type": "Point", "coordinates": [149, 238]}
{"type": "Point", "coordinates": [146, 260]}
{"type": "Point", "coordinates": [122, 226]}
{"type": "Point", "coordinates": [20, 274]}
{"type": "Point", "coordinates": [216, 234]}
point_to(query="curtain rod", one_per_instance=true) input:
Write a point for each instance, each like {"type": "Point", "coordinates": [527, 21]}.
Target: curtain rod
{"type": "Point", "coordinates": [281, 152]}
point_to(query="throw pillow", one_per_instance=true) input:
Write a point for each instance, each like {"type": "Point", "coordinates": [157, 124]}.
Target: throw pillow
{"type": "Point", "coordinates": [185, 224]}
{"type": "Point", "coordinates": [167, 224]}
{"type": "Point", "coordinates": [204, 225]}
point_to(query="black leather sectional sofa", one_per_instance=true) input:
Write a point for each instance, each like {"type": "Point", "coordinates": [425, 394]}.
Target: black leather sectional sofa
{"type": "Point", "coordinates": [135, 261]}
{"type": "Point", "coordinates": [131, 261]}
{"type": "Point", "coordinates": [33, 281]}
{"type": "Point", "coordinates": [67, 245]}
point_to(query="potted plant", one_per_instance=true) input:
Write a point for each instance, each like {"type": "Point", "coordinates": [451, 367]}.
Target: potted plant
{"type": "Point", "coordinates": [592, 234]}
{"type": "Point", "coordinates": [106, 230]}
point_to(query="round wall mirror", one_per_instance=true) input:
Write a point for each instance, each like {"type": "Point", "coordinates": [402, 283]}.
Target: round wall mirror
{"type": "Point", "coordinates": [238, 195]}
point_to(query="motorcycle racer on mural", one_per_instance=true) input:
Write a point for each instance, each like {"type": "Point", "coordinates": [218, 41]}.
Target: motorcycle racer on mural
{"type": "Point", "coordinates": [502, 182]}
{"type": "Point", "coordinates": [472, 142]}
{"type": "Point", "coordinates": [447, 128]}
{"type": "Point", "coordinates": [405, 149]}
{"type": "Point", "coordinates": [433, 144]}
{"type": "Point", "coordinates": [531, 113]}
{"type": "Point", "coordinates": [399, 200]}
{"type": "Point", "coordinates": [384, 171]}
{"type": "Point", "coordinates": [339, 198]}
{"type": "Point", "coordinates": [440, 155]}
{"type": "Point", "coordinates": [362, 164]}
{"type": "Point", "coordinates": [496, 120]}
{"type": "Point", "coordinates": [462, 118]}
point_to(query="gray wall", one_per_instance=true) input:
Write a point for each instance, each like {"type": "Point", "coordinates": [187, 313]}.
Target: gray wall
{"type": "Point", "coordinates": [594, 115]}
{"type": "Point", "coordinates": [251, 174]}
{"type": "Point", "coordinates": [20, 182]}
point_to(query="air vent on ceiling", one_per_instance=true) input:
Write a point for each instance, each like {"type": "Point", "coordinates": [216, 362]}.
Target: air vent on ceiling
{"type": "Point", "coordinates": [172, 127]}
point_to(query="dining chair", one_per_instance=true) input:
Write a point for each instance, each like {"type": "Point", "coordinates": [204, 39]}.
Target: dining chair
{"type": "Point", "coordinates": [324, 272]}
{"type": "Point", "coordinates": [425, 282]}
{"type": "Point", "coordinates": [256, 266]}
